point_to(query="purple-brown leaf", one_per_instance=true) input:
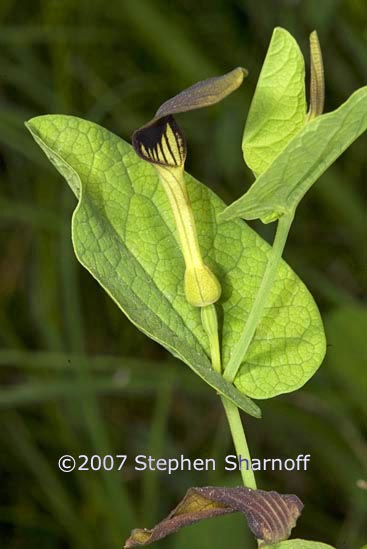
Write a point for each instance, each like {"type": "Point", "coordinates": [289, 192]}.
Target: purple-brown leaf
{"type": "Point", "coordinates": [270, 516]}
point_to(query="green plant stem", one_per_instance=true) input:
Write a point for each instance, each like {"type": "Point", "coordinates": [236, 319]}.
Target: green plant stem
{"type": "Point", "coordinates": [239, 441]}
{"type": "Point", "coordinates": [262, 295]}
{"type": "Point", "coordinates": [210, 324]}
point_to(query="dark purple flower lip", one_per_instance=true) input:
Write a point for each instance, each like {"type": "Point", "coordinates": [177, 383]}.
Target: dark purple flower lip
{"type": "Point", "coordinates": [161, 141]}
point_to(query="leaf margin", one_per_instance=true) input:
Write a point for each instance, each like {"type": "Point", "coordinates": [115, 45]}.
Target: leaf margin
{"type": "Point", "coordinates": [251, 204]}
{"type": "Point", "coordinates": [206, 373]}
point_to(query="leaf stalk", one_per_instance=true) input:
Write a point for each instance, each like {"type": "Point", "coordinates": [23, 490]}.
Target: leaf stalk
{"type": "Point", "coordinates": [256, 312]}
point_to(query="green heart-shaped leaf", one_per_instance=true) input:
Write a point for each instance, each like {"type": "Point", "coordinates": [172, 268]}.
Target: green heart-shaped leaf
{"type": "Point", "coordinates": [278, 108]}
{"type": "Point", "coordinates": [124, 234]}
{"type": "Point", "coordinates": [314, 148]}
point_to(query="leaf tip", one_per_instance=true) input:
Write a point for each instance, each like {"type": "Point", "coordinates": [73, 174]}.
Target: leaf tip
{"type": "Point", "coordinates": [29, 124]}
{"type": "Point", "coordinates": [281, 31]}
{"type": "Point", "coordinates": [257, 412]}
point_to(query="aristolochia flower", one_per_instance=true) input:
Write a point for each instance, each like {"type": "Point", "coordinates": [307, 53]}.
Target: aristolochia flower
{"type": "Point", "coordinates": [162, 143]}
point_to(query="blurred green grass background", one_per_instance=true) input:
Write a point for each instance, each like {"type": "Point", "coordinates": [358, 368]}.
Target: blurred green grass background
{"type": "Point", "coordinates": [76, 377]}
